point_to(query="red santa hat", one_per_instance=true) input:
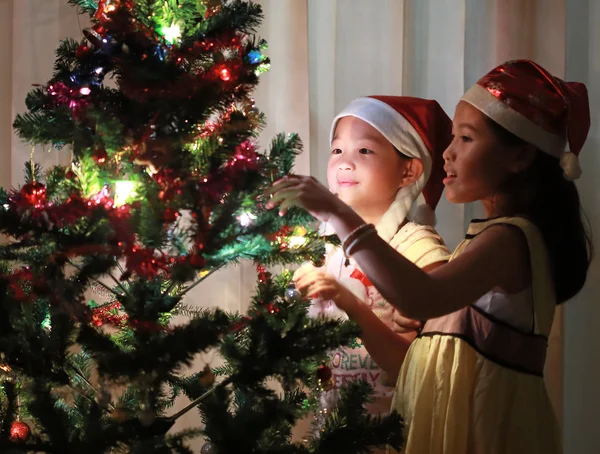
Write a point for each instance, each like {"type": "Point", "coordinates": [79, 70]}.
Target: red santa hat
{"type": "Point", "coordinates": [541, 109]}
{"type": "Point", "coordinates": [417, 128]}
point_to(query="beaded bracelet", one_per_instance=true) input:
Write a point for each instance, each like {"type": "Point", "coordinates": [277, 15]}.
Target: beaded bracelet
{"type": "Point", "coordinates": [356, 236]}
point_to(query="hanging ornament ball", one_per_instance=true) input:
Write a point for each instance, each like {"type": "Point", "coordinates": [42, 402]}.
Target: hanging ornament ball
{"type": "Point", "coordinates": [100, 155]}
{"type": "Point", "coordinates": [83, 50]}
{"type": "Point", "coordinates": [225, 74]}
{"type": "Point", "coordinates": [146, 417]}
{"type": "Point", "coordinates": [292, 294]}
{"type": "Point", "coordinates": [305, 404]}
{"type": "Point", "coordinates": [213, 7]}
{"type": "Point", "coordinates": [207, 378]}
{"type": "Point", "coordinates": [95, 35]}
{"type": "Point", "coordinates": [34, 194]}
{"type": "Point", "coordinates": [208, 448]}
{"type": "Point", "coordinates": [19, 431]}
{"type": "Point", "coordinates": [324, 373]}
{"type": "Point", "coordinates": [254, 57]}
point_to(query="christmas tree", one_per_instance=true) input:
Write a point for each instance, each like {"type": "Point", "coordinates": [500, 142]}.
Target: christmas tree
{"type": "Point", "coordinates": [166, 186]}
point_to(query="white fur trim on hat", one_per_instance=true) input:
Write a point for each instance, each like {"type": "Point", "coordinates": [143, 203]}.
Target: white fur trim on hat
{"type": "Point", "coordinates": [402, 135]}
{"type": "Point", "coordinates": [513, 121]}
{"type": "Point", "coordinates": [421, 213]}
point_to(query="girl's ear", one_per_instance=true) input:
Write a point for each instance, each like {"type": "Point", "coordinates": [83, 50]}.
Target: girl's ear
{"type": "Point", "coordinates": [412, 171]}
{"type": "Point", "coordinates": [522, 158]}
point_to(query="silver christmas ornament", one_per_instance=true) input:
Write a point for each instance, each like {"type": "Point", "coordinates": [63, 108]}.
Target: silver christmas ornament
{"type": "Point", "coordinates": [208, 448]}
{"type": "Point", "coordinates": [292, 294]}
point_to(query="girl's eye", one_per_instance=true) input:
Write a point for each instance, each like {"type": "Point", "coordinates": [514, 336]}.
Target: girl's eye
{"type": "Point", "coordinates": [336, 151]}
{"type": "Point", "coordinates": [365, 151]}
{"type": "Point", "coordinates": [462, 138]}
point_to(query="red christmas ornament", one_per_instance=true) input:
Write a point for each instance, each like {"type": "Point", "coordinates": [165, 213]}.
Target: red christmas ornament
{"type": "Point", "coordinates": [83, 51]}
{"type": "Point", "coordinates": [95, 35]}
{"type": "Point", "coordinates": [213, 7]}
{"type": "Point", "coordinates": [35, 194]}
{"type": "Point", "coordinates": [225, 74]}
{"type": "Point", "coordinates": [31, 196]}
{"type": "Point", "coordinates": [100, 155]}
{"type": "Point", "coordinates": [19, 431]}
{"type": "Point", "coordinates": [263, 274]}
{"type": "Point", "coordinates": [324, 373]}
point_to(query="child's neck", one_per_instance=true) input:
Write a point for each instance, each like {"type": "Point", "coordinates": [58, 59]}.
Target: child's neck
{"type": "Point", "coordinates": [371, 214]}
{"type": "Point", "coordinates": [370, 218]}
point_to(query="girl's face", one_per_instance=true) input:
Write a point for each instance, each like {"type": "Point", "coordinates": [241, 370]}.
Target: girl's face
{"type": "Point", "coordinates": [476, 163]}
{"type": "Point", "coordinates": [365, 170]}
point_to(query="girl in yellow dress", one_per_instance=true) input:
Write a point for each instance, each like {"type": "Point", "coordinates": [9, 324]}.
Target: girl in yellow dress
{"type": "Point", "coordinates": [472, 381]}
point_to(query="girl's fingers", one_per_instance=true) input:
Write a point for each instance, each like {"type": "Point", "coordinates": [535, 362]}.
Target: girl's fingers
{"type": "Point", "coordinates": [318, 288]}
{"type": "Point", "coordinates": [306, 280]}
{"type": "Point", "coordinates": [281, 196]}
{"type": "Point", "coordinates": [302, 271]}
{"type": "Point", "coordinates": [302, 283]}
{"type": "Point", "coordinates": [287, 203]}
{"type": "Point", "coordinates": [406, 322]}
{"type": "Point", "coordinates": [283, 183]}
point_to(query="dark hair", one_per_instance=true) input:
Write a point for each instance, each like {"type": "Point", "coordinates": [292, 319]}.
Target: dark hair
{"type": "Point", "coordinates": [402, 155]}
{"type": "Point", "coordinates": [543, 195]}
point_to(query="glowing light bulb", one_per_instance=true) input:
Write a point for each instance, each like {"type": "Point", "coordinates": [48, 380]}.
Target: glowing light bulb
{"type": "Point", "coordinates": [85, 91]}
{"type": "Point", "coordinates": [246, 218]}
{"type": "Point", "coordinates": [297, 241]}
{"type": "Point", "coordinates": [172, 33]}
{"type": "Point", "coordinates": [123, 191]}
{"type": "Point", "coordinates": [225, 74]}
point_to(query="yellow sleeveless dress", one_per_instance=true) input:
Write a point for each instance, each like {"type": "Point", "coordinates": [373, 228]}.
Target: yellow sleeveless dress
{"type": "Point", "coordinates": [472, 384]}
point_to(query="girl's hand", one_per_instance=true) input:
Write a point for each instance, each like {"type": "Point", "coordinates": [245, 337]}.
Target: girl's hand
{"type": "Point", "coordinates": [405, 325]}
{"type": "Point", "coordinates": [305, 192]}
{"type": "Point", "coordinates": [317, 282]}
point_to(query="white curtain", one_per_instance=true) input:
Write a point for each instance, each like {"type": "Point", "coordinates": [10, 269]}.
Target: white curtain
{"type": "Point", "coordinates": [327, 52]}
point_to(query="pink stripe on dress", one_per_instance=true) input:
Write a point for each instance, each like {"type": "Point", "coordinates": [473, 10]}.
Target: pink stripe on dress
{"type": "Point", "coordinates": [497, 341]}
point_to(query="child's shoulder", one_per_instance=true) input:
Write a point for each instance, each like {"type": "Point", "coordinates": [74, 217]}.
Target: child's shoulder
{"type": "Point", "coordinates": [421, 244]}
{"type": "Point", "coordinates": [411, 232]}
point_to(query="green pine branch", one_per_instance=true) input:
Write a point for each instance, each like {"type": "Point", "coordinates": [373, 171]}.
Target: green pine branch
{"type": "Point", "coordinates": [85, 6]}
